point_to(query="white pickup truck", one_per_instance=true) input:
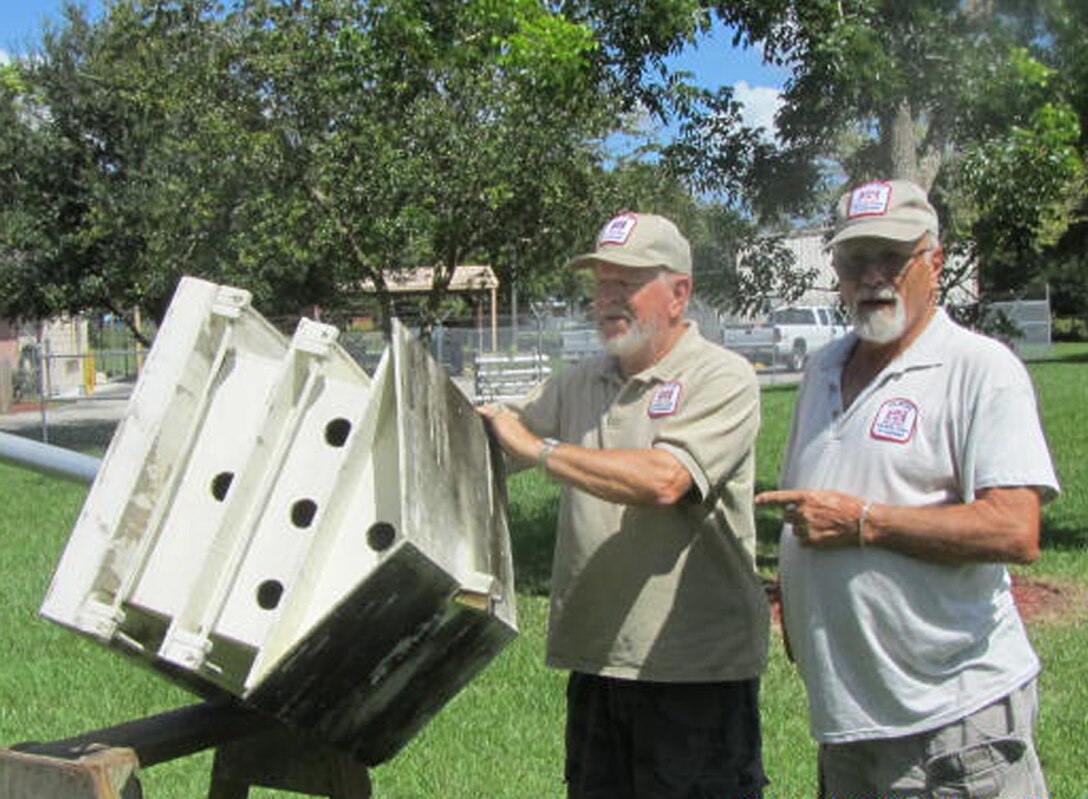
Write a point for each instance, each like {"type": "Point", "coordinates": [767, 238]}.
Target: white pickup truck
{"type": "Point", "coordinates": [789, 335]}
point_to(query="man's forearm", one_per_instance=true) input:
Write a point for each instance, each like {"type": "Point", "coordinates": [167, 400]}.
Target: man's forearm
{"type": "Point", "coordinates": [625, 476]}
{"type": "Point", "coordinates": [1001, 526]}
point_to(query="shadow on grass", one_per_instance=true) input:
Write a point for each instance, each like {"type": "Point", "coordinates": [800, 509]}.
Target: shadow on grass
{"type": "Point", "coordinates": [779, 388]}
{"type": "Point", "coordinates": [768, 530]}
{"type": "Point", "coordinates": [533, 541]}
{"type": "Point", "coordinates": [533, 513]}
{"type": "Point", "coordinates": [1072, 357]}
{"type": "Point", "coordinates": [1064, 537]}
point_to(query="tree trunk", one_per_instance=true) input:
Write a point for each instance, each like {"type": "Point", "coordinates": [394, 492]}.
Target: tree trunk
{"type": "Point", "coordinates": [901, 143]}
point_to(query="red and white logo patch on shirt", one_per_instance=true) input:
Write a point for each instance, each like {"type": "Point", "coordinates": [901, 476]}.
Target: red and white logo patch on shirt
{"type": "Point", "coordinates": [617, 230]}
{"type": "Point", "coordinates": [871, 199]}
{"type": "Point", "coordinates": [665, 400]}
{"type": "Point", "coordinates": [895, 421]}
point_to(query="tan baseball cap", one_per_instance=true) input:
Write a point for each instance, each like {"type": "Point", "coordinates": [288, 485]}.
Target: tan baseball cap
{"type": "Point", "coordinates": [641, 241]}
{"type": "Point", "coordinates": [897, 210]}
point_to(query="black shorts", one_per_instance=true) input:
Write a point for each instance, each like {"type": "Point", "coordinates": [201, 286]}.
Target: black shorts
{"type": "Point", "coordinates": [628, 739]}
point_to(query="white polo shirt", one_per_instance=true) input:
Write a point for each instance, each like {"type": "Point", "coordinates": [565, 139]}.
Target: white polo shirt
{"type": "Point", "coordinates": [888, 644]}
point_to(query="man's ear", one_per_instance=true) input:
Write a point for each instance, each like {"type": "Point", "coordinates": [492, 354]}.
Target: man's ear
{"type": "Point", "coordinates": [936, 265]}
{"type": "Point", "coordinates": [681, 293]}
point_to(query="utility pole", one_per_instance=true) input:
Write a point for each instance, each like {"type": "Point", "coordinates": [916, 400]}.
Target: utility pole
{"type": "Point", "coordinates": [514, 299]}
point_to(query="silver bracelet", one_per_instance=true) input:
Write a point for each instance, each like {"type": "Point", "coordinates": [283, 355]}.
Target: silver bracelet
{"type": "Point", "coordinates": [868, 506]}
{"type": "Point", "coordinates": [547, 446]}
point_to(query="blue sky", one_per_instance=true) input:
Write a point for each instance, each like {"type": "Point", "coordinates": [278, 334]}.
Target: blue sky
{"type": "Point", "coordinates": [714, 63]}
{"type": "Point", "coordinates": [717, 63]}
{"type": "Point", "coordinates": [21, 21]}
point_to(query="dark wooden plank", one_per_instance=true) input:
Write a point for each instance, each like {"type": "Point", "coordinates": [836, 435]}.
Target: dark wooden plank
{"type": "Point", "coordinates": [164, 736]}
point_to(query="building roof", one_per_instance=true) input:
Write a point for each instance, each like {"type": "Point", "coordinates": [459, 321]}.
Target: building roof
{"type": "Point", "coordinates": [467, 278]}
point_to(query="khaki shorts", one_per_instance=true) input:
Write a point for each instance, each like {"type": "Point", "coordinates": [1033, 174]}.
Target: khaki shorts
{"type": "Point", "coordinates": [987, 755]}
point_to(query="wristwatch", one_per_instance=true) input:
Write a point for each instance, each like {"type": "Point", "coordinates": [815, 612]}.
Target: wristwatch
{"type": "Point", "coordinates": [547, 445]}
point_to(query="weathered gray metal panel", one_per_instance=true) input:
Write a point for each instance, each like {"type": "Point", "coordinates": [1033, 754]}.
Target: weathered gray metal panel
{"type": "Point", "coordinates": [381, 664]}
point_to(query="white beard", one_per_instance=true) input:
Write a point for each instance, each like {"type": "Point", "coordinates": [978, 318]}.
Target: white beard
{"type": "Point", "coordinates": [634, 341]}
{"type": "Point", "coordinates": [880, 327]}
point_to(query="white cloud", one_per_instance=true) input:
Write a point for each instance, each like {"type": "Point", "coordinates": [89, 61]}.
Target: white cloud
{"type": "Point", "coordinates": [4, 57]}
{"type": "Point", "coordinates": [760, 104]}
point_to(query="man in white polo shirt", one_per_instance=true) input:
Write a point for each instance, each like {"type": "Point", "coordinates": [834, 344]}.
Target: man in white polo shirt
{"type": "Point", "coordinates": [915, 469]}
{"type": "Point", "coordinates": [656, 609]}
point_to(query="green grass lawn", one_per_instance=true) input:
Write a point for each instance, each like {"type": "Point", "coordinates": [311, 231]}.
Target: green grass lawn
{"type": "Point", "coordinates": [502, 736]}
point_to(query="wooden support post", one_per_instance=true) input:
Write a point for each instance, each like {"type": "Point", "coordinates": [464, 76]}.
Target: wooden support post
{"type": "Point", "coordinates": [251, 750]}
{"type": "Point", "coordinates": [282, 760]}
{"type": "Point", "coordinates": [104, 774]}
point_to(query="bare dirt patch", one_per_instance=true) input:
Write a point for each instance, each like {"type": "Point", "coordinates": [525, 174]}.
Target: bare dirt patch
{"type": "Point", "coordinates": [1046, 600]}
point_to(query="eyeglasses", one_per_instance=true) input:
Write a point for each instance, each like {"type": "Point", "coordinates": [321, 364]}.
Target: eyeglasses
{"type": "Point", "coordinates": [627, 281]}
{"type": "Point", "coordinates": [890, 263]}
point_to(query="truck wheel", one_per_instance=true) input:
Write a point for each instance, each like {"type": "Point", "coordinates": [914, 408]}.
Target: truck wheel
{"type": "Point", "coordinates": [798, 355]}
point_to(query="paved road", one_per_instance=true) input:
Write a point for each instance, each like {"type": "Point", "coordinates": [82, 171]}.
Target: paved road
{"type": "Point", "coordinates": [107, 405]}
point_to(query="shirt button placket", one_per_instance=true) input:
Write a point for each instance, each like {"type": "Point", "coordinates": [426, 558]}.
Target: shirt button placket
{"type": "Point", "coordinates": [834, 401]}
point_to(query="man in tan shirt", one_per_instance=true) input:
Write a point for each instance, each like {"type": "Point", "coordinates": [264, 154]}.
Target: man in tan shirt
{"type": "Point", "coordinates": [656, 609]}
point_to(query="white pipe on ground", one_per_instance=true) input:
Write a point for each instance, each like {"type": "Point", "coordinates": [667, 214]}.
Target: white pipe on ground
{"type": "Point", "coordinates": [48, 459]}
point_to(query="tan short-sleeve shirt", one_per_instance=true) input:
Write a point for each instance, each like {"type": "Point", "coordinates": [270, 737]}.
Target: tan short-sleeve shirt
{"type": "Point", "coordinates": [659, 594]}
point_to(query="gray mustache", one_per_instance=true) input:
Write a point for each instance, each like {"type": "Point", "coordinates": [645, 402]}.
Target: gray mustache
{"type": "Point", "coordinates": [876, 294]}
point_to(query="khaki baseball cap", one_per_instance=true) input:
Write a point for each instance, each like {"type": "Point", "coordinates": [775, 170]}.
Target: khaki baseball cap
{"type": "Point", "coordinates": [897, 210]}
{"type": "Point", "coordinates": [640, 241]}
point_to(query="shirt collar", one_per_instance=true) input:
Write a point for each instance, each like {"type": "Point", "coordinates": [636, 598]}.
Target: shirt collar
{"type": "Point", "coordinates": [669, 364]}
{"type": "Point", "coordinates": [929, 348]}
{"type": "Point", "coordinates": [665, 368]}
{"type": "Point", "coordinates": [926, 350]}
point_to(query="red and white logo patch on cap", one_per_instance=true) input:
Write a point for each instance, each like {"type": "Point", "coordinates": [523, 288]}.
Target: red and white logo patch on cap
{"type": "Point", "coordinates": [618, 230]}
{"type": "Point", "coordinates": [870, 199]}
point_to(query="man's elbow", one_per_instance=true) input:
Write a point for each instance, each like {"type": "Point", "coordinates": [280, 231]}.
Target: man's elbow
{"type": "Point", "coordinates": [1024, 543]}
{"type": "Point", "coordinates": [1016, 513]}
{"type": "Point", "coordinates": [1026, 549]}
{"type": "Point", "coordinates": [673, 485]}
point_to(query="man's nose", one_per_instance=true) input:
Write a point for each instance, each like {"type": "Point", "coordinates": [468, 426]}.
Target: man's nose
{"type": "Point", "coordinates": [873, 274]}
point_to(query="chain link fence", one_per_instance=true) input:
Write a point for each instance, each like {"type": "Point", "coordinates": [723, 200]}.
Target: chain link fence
{"type": "Point", "coordinates": [51, 373]}
{"type": "Point", "coordinates": [100, 358]}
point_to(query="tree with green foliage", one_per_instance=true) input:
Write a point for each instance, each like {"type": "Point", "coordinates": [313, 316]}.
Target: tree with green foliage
{"type": "Point", "coordinates": [296, 149]}
{"type": "Point", "coordinates": [956, 96]}
{"type": "Point", "coordinates": [138, 141]}
{"type": "Point", "coordinates": [301, 149]}
{"type": "Point", "coordinates": [1054, 32]}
